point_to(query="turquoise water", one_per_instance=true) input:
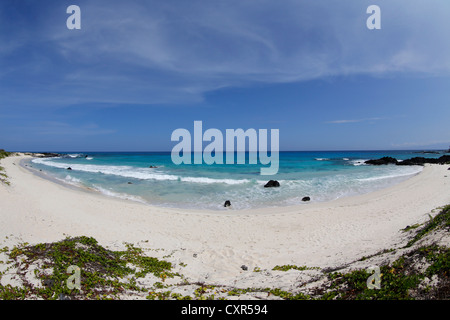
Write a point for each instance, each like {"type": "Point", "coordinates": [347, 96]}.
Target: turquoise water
{"type": "Point", "coordinates": [323, 176]}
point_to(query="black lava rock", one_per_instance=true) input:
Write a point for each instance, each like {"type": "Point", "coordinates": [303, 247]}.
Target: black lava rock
{"type": "Point", "coordinates": [272, 183]}
{"type": "Point", "coordinates": [382, 161]}
{"type": "Point", "coordinates": [416, 161]}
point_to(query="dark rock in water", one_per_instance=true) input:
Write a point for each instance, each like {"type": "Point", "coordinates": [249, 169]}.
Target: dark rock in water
{"type": "Point", "coordinates": [46, 155]}
{"type": "Point", "coordinates": [421, 161]}
{"type": "Point", "coordinates": [382, 161]}
{"type": "Point", "coordinates": [227, 203]}
{"type": "Point", "coordinates": [69, 168]}
{"type": "Point", "coordinates": [244, 267]}
{"type": "Point", "coordinates": [416, 161]}
{"type": "Point", "coordinates": [448, 169]}
{"type": "Point", "coordinates": [444, 159]}
{"type": "Point", "coordinates": [272, 183]}
{"type": "Point", "coordinates": [50, 154]}
{"type": "Point", "coordinates": [153, 167]}
{"type": "Point", "coordinates": [130, 182]}
{"type": "Point", "coordinates": [425, 152]}
{"type": "Point", "coordinates": [306, 199]}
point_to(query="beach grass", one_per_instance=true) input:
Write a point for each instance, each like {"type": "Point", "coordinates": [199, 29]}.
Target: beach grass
{"type": "Point", "coordinates": [3, 175]}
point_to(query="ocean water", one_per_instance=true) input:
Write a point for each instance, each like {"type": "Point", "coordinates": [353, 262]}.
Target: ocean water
{"type": "Point", "coordinates": [323, 176]}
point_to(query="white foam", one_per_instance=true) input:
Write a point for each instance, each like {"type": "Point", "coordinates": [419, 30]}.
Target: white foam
{"type": "Point", "coordinates": [211, 180]}
{"type": "Point", "coordinates": [113, 194]}
{"type": "Point", "coordinates": [137, 173]}
{"type": "Point", "coordinates": [359, 162]}
{"type": "Point", "coordinates": [72, 179]}
{"type": "Point", "coordinates": [73, 155]}
{"type": "Point", "coordinates": [322, 159]}
{"type": "Point", "coordinates": [394, 175]}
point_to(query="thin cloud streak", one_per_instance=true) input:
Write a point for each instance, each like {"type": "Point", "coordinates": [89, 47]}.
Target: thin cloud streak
{"type": "Point", "coordinates": [421, 144]}
{"type": "Point", "coordinates": [354, 120]}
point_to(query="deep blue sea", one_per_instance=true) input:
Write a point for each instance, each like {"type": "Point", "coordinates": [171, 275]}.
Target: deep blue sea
{"type": "Point", "coordinates": [152, 177]}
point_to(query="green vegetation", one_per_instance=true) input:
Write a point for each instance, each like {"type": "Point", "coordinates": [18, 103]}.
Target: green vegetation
{"type": "Point", "coordinates": [285, 295]}
{"type": "Point", "coordinates": [104, 273]}
{"type": "Point", "coordinates": [3, 176]}
{"type": "Point", "coordinates": [399, 281]}
{"type": "Point", "coordinates": [395, 284]}
{"type": "Point", "coordinates": [414, 226]}
{"type": "Point", "coordinates": [441, 220]}
{"type": "Point", "coordinates": [289, 267]}
{"type": "Point", "coordinates": [4, 154]}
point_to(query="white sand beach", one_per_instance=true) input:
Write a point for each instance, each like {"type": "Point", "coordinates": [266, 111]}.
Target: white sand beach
{"type": "Point", "coordinates": [214, 245]}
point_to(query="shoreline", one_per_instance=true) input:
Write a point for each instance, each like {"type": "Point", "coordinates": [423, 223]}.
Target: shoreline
{"type": "Point", "coordinates": [214, 245]}
{"type": "Point", "coordinates": [180, 209]}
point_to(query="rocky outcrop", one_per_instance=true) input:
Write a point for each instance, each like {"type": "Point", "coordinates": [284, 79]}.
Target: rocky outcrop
{"type": "Point", "coordinates": [45, 155]}
{"type": "Point", "coordinates": [416, 161]}
{"type": "Point", "coordinates": [381, 161]}
{"type": "Point", "coordinates": [306, 199]}
{"type": "Point", "coordinates": [271, 184]}
{"type": "Point", "coordinates": [422, 161]}
{"type": "Point", "coordinates": [227, 203]}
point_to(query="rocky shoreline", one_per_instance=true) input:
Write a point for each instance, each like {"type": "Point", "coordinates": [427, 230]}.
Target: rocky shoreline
{"type": "Point", "coordinates": [420, 161]}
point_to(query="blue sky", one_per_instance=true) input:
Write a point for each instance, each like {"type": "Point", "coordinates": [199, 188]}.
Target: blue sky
{"type": "Point", "coordinates": [137, 70]}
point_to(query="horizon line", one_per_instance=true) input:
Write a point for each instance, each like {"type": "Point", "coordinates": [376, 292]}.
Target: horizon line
{"type": "Point", "coordinates": [169, 151]}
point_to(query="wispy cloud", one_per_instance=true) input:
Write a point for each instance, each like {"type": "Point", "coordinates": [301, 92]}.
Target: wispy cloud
{"type": "Point", "coordinates": [148, 52]}
{"type": "Point", "coordinates": [354, 120]}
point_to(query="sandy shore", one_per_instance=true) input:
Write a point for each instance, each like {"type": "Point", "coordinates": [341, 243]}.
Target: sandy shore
{"type": "Point", "coordinates": [214, 245]}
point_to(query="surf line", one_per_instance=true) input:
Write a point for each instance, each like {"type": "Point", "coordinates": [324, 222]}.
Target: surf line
{"type": "Point", "coordinates": [213, 152]}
